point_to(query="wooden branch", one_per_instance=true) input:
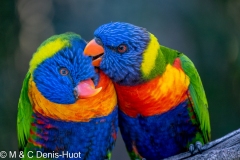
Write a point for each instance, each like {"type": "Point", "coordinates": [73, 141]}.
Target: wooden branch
{"type": "Point", "coordinates": [224, 148]}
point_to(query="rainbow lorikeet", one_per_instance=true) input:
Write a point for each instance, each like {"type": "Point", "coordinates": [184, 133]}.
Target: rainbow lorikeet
{"type": "Point", "coordinates": [66, 109]}
{"type": "Point", "coordinates": [163, 107]}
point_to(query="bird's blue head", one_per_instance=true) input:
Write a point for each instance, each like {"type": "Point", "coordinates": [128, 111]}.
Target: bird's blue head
{"type": "Point", "coordinates": [61, 72]}
{"type": "Point", "coordinates": [119, 47]}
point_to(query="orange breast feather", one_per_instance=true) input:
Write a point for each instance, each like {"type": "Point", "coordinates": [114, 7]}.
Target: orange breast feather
{"type": "Point", "coordinates": [83, 110]}
{"type": "Point", "coordinates": [156, 96]}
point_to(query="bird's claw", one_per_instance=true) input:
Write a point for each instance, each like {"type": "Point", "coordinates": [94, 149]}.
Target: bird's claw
{"type": "Point", "coordinates": [191, 148]}
{"type": "Point", "coordinates": [198, 146]}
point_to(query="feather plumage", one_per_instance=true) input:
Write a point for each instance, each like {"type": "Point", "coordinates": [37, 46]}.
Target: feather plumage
{"type": "Point", "coordinates": [163, 107]}
{"type": "Point", "coordinates": [51, 116]}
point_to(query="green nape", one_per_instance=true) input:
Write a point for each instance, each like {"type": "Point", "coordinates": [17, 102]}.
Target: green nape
{"type": "Point", "coordinates": [165, 56]}
{"type": "Point", "coordinates": [24, 114]}
{"type": "Point", "coordinates": [64, 36]}
{"type": "Point", "coordinates": [50, 47]}
{"type": "Point", "coordinates": [169, 54]}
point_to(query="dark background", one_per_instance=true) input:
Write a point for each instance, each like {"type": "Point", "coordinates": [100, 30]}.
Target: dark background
{"type": "Point", "coordinates": [207, 32]}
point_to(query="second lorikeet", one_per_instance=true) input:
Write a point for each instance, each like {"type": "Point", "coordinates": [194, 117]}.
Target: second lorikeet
{"type": "Point", "coordinates": [163, 107]}
{"type": "Point", "coordinates": [66, 110]}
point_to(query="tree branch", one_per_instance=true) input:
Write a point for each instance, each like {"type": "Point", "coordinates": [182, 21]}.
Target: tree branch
{"type": "Point", "coordinates": [227, 147]}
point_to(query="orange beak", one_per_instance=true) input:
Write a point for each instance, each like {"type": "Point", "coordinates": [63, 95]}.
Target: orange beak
{"type": "Point", "coordinates": [96, 51]}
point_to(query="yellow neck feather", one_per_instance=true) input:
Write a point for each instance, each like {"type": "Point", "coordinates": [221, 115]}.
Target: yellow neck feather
{"type": "Point", "coordinates": [150, 55]}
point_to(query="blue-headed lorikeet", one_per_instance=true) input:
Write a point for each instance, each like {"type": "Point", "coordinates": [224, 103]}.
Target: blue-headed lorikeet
{"type": "Point", "coordinates": [65, 107]}
{"type": "Point", "coordinates": [163, 107]}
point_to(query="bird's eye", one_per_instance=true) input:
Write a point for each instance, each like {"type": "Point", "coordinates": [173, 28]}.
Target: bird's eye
{"type": "Point", "coordinates": [122, 48]}
{"type": "Point", "coordinates": [99, 41]}
{"type": "Point", "coordinates": [63, 71]}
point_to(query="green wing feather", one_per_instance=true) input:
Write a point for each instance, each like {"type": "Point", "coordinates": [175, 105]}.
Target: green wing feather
{"type": "Point", "coordinates": [24, 114]}
{"type": "Point", "coordinates": [200, 105]}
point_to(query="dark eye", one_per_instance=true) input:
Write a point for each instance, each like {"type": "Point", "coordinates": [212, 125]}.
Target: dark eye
{"type": "Point", "coordinates": [122, 48]}
{"type": "Point", "coordinates": [63, 71]}
{"type": "Point", "coordinates": [98, 41]}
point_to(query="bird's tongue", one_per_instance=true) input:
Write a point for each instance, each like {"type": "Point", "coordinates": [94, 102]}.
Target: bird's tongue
{"type": "Point", "coordinates": [87, 89]}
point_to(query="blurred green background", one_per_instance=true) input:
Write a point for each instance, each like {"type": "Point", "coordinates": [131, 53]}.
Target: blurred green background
{"type": "Point", "coordinates": [206, 31]}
